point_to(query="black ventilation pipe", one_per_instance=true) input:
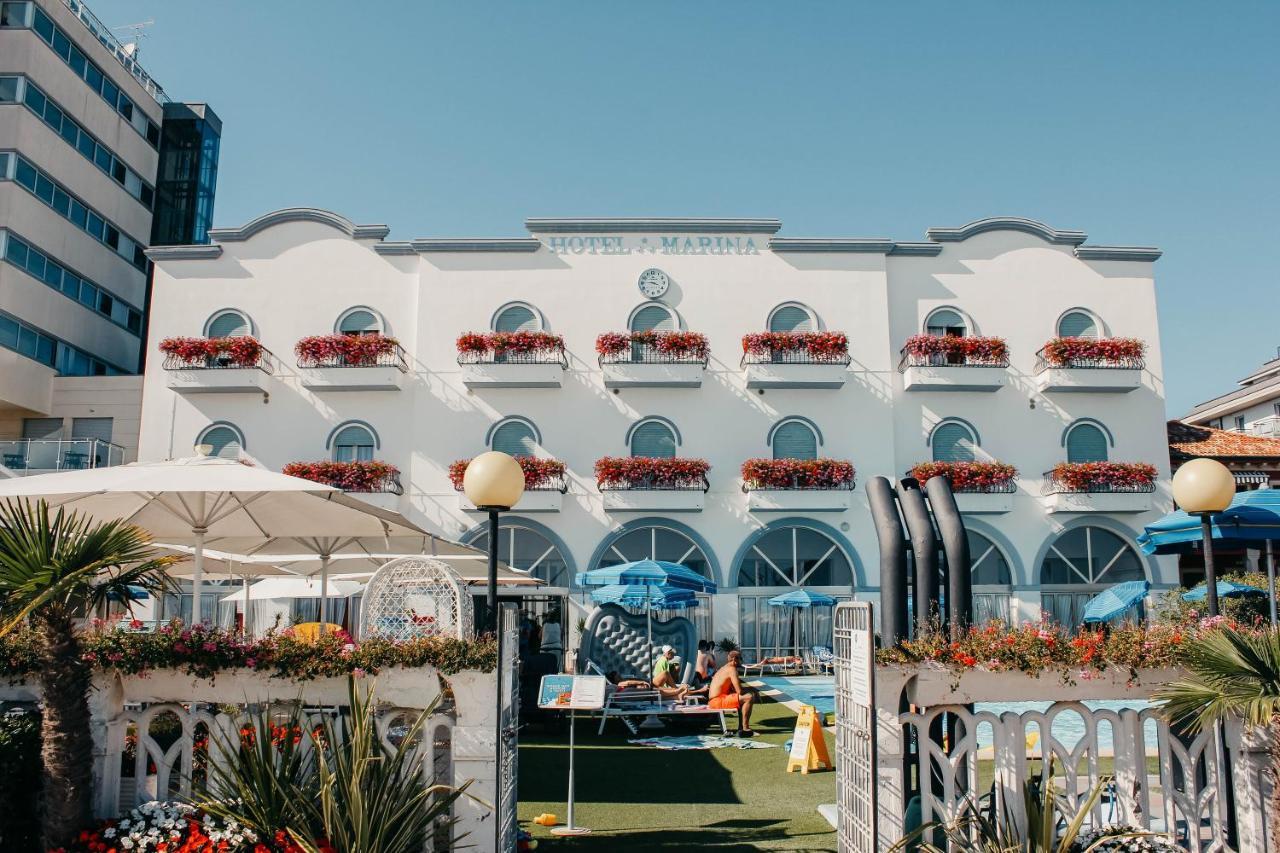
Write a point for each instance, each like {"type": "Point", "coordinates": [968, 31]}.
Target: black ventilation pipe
{"type": "Point", "coordinates": [924, 550]}
{"type": "Point", "coordinates": [894, 625]}
{"type": "Point", "coordinates": [955, 545]}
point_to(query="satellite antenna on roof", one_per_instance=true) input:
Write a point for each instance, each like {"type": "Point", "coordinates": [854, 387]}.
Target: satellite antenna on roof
{"type": "Point", "coordinates": [136, 33]}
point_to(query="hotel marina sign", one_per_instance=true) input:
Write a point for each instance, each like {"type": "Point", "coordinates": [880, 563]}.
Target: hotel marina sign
{"type": "Point", "coordinates": [654, 244]}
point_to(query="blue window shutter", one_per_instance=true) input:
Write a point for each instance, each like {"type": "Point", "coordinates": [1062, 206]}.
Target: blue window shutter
{"type": "Point", "coordinates": [794, 440]}
{"type": "Point", "coordinates": [1077, 324]}
{"type": "Point", "coordinates": [359, 323]}
{"type": "Point", "coordinates": [1086, 443]}
{"type": "Point", "coordinates": [952, 443]}
{"type": "Point", "coordinates": [229, 324]}
{"type": "Point", "coordinates": [353, 444]}
{"type": "Point", "coordinates": [517, 318]}
{"type": "Point", "coordinates": [791, 318]}
{"type": "Point", "coordinates": [224, 441]}
{"type": "Point", "coordinates": [653, 317]}
{"type": "Point", "coordinates": [653, 439]}
{"type": "Point", "coordinates": [514, 438]}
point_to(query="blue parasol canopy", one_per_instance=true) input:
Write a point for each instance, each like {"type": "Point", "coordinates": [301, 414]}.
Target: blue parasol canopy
{"type": "Point", "coordinates": [649, 573]}
{"type": "Point", "coordinates": [801, 598]}
{"type": "Point", "coordinates": [1252, 518]}
{"type": "Point", "coordinates": [1226, 589]}
{"type": "Point", "coordinates": [645, 596]}
{"type": "Point", "coordinates": [1115, 601]}
{"type": "Point", "coordinates": [132, 593]}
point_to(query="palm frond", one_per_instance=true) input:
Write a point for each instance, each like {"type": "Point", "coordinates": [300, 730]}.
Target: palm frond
{"type": "Point", "coordinates": [1232, 675]}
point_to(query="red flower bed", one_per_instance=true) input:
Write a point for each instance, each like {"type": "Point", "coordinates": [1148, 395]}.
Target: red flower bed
{"type": "Point", "coordinates": [1104, 476]}
{"type": "Point", "coordinates": [950, 349]}
{"type": "Point", "coordinates": [335, 350]}
{"type": "Point", "coordinates": [642, 472]}
{"type": "Point", "coordinates": [1121, 352]}
{"type": "Point", "coordinates": [538, 473]}
{"type": "Point", "coordinates": [361, 476]}
{"type": "Point", "coordinates": [478, 344]}
{"type": "Point", "coordinates": [685, 345]}
{"type": "Point", "coordinates": [967, 476]}
{"type": "Point", "coordinates": [821, 346]}
{"type": "Point", "coordinates": [797, 474]}
{"type": "Point", "coordinates": [243, 351]}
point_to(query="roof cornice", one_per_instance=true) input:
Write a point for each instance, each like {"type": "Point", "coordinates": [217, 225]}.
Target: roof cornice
{"type": "Point", "coordinates": [644, 225]}
{"type": "Point", "coordinates": [926, 250]}
{"type": "Point", "coordinates": [299, 214]}
{"type": "Point", "coordinates": [184, 253]}
{"type": "Point", "coordinates": [1007, 223]}
{"type": "Point", "coordinates": [394, 248]}
{"type": "Point", "coordinates": [1118, 253]}
{"type": "Point", "coordinates": [874, 245]}
{"type": "Point", "coordinates": [475, 244]}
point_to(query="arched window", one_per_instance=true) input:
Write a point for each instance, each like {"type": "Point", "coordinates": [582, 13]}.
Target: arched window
{"type": "Point", "coordinates": [225, 440]}
{"type": "Point", "coordinates": [1086, 443]}
{"type": "Point", "coordinates": [946, 321]}
{"type": "Point", "coordinates": [992, 579]}
{"type": "Point", "coordinates": [359, 321]}
{"type": "Point", "coordinates": [795, 556]}
{"type": "Point", "coordinates": [653, 439]}
{"type": "Point", "coordinates": [658, 542]}
{"type": "Point", "coordinates": [228, 324]}
{"type": "Point", "coordinates": [527, 550]}
{"type": "Point", "coordinates": [792, 318]}
{"type": "Point", "coordinates": [516, 318]}
{"type": "Point", "coordinates": [354, 443]}
{"type": "Point", "coordinates": [1077, 324]}
{"type": "Point", "coordinates": [653, 317]}
{"type": "Point", "coordinates": [794, 440]}
{"type": "Point", "coordinates": [1081, 563]}
{"type": "Point", "coordinates": [514, 437]}
{"type": "Point", "coordinates": [953, 441]}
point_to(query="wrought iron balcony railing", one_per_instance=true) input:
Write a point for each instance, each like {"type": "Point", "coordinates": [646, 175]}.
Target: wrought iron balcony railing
{"type": "Point", "coordinates": [953, 359]}
{"type": "Point", "coordinates": [1118, 363]}
{"type": "Point", "coordinates": [393, 357]}
{"type": "Point", "coordinates": [265, 363]}
{"type": "Point", "coordinates": [1055, 486]}
{"type": "Point", "coordinates": [546, 356]}
{"type": "Point", "coordinates": [650, 354]}
{"type": "Point", "coordinates": [793, 356]}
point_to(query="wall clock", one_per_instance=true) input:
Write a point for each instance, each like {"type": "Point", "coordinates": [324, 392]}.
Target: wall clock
{"type": "Point", "coordinates": [653, 283]}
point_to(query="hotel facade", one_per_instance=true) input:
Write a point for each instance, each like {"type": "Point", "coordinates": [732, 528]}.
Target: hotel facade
{"type": "Point", "coordinates": [803, 353]}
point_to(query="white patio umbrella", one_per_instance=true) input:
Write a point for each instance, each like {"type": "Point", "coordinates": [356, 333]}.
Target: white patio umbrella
{"type": "Point", "coordinates": [296, 587]}
{"type": "Point", "coordinates": [208, 500]}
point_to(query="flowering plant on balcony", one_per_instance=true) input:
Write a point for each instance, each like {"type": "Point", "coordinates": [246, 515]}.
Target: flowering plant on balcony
{"type": "Point", "coordinates": [823, 346]}
{"type": "Point", "coordinates": [356, 476]}
{"type": "Point", "coordinates": [1103, 476]}
{"type": "Point", "coordinates": [643, 472]}
{"type": "Point", "coordinates": [967, 476]}
{"type": "Point", "coordinates": [354, 350]}
{"type": "Point", "coordinates": [797, 474]}
{"type": "Point", "coordinates": [958, 350]}
{"type": "Point", "coordinates": [538, 473]}
{"type": "Point", "coordinates": [240, 351]}
{"type": "Point", "coordinates": [689, 345]}
{"type": "Point", "coordinates": [509, 343]}
{"type": "Point", "coordinates": [1062, 352]}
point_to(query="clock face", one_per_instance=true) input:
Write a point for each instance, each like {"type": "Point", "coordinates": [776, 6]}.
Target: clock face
{"type": "Point", "coordinates": [653, 283]}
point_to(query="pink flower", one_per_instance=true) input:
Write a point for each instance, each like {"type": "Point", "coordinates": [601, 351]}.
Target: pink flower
{"type": "Point", "coordinates": [135, 624]}
{"type": "Point", "coordinates": [210, 647]}
{"type": "Point", "coordinates": [358, 672]}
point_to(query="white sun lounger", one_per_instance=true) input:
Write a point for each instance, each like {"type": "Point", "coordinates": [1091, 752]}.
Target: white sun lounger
{"type": "Point", "coordinates": [630, 704]}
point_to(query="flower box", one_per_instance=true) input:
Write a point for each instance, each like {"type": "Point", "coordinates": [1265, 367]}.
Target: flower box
{"type": "Point", "coordinates": [979, 487]}
{"type": "Point", "coordinates": [951, 363]}
{"type": "Point", "coordinates": [351, 363]}
{"type": "Point", "coordinates": [236, 365]}
{"type": "Point", "coordinates": [360, 476]}
{"type": "Point", "coordinates": [642, 484]}
{"type": "Point", "coordinates": [1090, 365]}
{"type": "Point", "coordinates": [652, 359]}
{"type": "Point", "coordinates": [1100, 487]}
{"type": "Point", "coordinates": [511, 359]}
{"type": "Point", "coordinates": [795, 359]}
{"type": "Point", "coordinates": [544, 484]}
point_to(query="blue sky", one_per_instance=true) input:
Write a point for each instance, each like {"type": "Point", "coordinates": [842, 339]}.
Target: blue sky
{"type": "Point", "coordinates": [1139, 123]}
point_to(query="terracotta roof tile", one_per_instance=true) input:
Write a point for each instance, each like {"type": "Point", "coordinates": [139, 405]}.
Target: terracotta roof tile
{"type": "Point", "coordinates": [1186, 440]}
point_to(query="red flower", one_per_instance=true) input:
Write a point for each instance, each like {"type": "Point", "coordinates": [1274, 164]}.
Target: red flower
{"type": "Point", "coordinates": [242, 351]}
{"type": "Point", "coordinates": [514, 343]}
{"type": "Point", "coordinates": [797, 473]}
{"type": "Point", "coordinates": [952, 349]}
{"type": "Point", "coordinates": [691, 346]}
{"type": "Point", "coordinates": [641, 472]}
{"type": "Point", "coordinates": [1113, 352]}
{"type": "Point", "coordinates": [337, 350]}
{"type": "Point", "coordinates": [358, 476]}
{"type": "Point", "coordinates": [821, 346]}
{"type": "Point", "coordinates": [966, 476]}
{"type": "Point", "coordinates": [1102, 476]}
{"type": "Point", "coordinates": [538, 473]}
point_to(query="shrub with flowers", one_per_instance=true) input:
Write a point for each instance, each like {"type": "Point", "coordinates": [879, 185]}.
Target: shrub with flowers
{"type": "Point", "coordinates": [240, 351]}
{"type": "Point", "coordinates": [160, 827]}
{"type": "Point", "coordinates": [1103, 476]}
{"type": "Point", "coordinates": [1094, 352]}
{"type": "Point", "coordinates": [818, 346]}
{"type": "Point", "coordinates": [683, 346]}
{"type": "Point", "coordinates": [538, 473]}
{"type": "Point", "coordinates": [344, 350]}
{"type": "Point", "coordinates": [968, 476]}
{"type": "Point", "coordinates": [643, 472]}
{"type": "Point", "coordinates": [478, 346]}
{"type": "Point", "coordinates": [1122, 838]}
{"type": "Point", "coordinates": [797, 474]}
{"type": "Point", "coordinates": [953, 349]}
{"type": "Point", "coordinates": [354, 476]}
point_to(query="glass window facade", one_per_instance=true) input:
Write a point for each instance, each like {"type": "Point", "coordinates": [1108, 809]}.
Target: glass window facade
{"type": "Point", "coordinates": [528, 551]}
{"type": "Point", "coordinates": [187, 177]}
{"type": "Point", "coordinates": [39, 264]}
{"type": "Point", "coordinates": [24, 339]}
{"type": "Point", "coordinates": [1080, 564]}
{"type": "Point", "coordinates": [795, 556]}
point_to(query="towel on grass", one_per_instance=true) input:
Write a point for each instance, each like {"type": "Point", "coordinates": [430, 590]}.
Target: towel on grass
{"type": "Point", "coordinates": [702, 742]}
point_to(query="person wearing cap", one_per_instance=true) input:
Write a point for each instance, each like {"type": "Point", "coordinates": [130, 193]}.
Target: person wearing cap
{"type": "Point", "coordinates": [664, 668]}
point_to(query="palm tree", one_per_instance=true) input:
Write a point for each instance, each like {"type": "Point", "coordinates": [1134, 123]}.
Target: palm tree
{"type": "Point", "coordinates": [1234, 675]}
{"type": "Point", "coordinates": [55, 569]}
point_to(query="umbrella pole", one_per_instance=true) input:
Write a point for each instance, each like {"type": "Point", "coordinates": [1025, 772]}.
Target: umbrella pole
{"type": "Point", "coordinates": [247, 630]}
{"type": "Point", "coordinates": [324, 592]}
{"type": "Point", "coordinates": [648, 629]}
{"type": "Point", "coordinates": [197, 575]}
{"type": "Point", "coordinates": [1271, 581]}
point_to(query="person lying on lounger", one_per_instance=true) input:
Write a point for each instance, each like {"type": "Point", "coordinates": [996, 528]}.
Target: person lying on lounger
{"type": "Point", "coordinates": [728, 694]}
{"type": "Point", "coordinates": [624, 684]}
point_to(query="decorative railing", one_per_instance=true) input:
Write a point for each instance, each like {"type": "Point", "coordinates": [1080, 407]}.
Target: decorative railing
{"type": "Point", "coordinates": [1100, 478]}
{"type": "Point", "coordinates": [369, 477]}
{"type": "Point", "coordinates": [1092, 354]}
{"type": "Point", "coordinates": [237, 353]}
{"type": "Point", "coordinates": [987, 478]}
{"type": "Point", "coordinates": [511, 348]}
{"type": "Point", "coordinates": [540, 475]}
{"type": "Point", "coordinates": [795, 348]}
{"type": "Point", "coordinates": [653, 348]}
{"type": "Point", "coordinates": [642, 473]}
{"type": "Point", "coordinates": [320, 351]}
{"type": "Point", "coordinates": [797, 475]}
{"type": "Point", "coordinates": [953, 351]}
{"type": "Point", "coordinates": [53, 454]}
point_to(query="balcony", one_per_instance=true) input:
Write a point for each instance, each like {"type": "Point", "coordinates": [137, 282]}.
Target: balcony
{"type": "Point", "coordinates": [351, 363]}
{"type": "Point", "coordinates": [640, 484]}
{"type": "Point", "coordinates": [238, 365]}
{"type": "Point", "coordinates": [25, 456]}
{"type": "Point", "coordinates": [1116, 487]}
{"type": "Point", "coordinates": [363, 477]}
{"type": "Point", "coordinates": [653, 359]}
{"type": "Point", "coordinates": [951, 363]}
{"type": "Point", "coordinates": [512, 360]}
{"type": "Point", "coordinates": [1089, 365]}
{"type": "Point", "coordinates": [797, 485]}
{"type": "Point", "coordinates": [795, 359]}
{"type": "Point", "coordinates": [544, 485]}
{"type": "Point", "coordinates": [980, 488]}
{"type": "Point", "coordinates": [1268, 427]}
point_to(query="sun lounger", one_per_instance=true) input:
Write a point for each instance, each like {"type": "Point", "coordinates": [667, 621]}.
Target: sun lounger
{"type": "Point", "coordinates": [823, 660]}
{"type": "Point", "coordinates": [628, 705]}
{"type": "Point", "coordinates": [789, 665]}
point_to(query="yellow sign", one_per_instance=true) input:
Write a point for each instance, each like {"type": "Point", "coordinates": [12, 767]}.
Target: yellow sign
{"type": "Point", "coordinates": [808, 746]}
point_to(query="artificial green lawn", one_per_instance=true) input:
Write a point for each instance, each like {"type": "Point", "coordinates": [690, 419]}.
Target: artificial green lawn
{"type": "Point", "coordinates": [640, 798]}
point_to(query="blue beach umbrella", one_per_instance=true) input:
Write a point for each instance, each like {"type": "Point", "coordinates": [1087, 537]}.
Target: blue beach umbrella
{"type": "Point", "coordinates": [1226, 589]}
{"type": "Point", "coordinates": [1115, 601]}
{"type": "Point", "coordinates": [132, 592]}
{"type": "Point", "coordinates": [1252, 519]}
{"type": "Point", "coordinates": [647, 572]}
{"type": "Point", "coordinates": [801, 598]}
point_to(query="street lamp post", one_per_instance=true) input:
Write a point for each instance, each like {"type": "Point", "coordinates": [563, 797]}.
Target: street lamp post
{"type": "Point", "coordinates": [494, 482]}
{"type": "Point", "coordinates": [1203, 487]}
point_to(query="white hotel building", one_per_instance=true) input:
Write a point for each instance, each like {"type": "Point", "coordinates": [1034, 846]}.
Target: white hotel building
{"type": "Point", "coordinates": [302, 272]}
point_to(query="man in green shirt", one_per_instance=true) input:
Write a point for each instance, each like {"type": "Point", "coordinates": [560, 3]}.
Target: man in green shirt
{"type": "Point", "coordinates": [664, 668]}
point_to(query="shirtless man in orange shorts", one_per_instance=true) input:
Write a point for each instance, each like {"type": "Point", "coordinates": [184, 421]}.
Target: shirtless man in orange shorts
{"type": "Point", "coordinates": [728, 694]}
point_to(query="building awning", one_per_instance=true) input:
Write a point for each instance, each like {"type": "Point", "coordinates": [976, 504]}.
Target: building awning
{"type": "Point", "coordinates": [1252, 478]}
